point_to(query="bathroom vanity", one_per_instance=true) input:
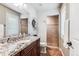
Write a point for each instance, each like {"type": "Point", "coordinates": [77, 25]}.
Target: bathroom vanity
{"type": "Point", "coordinates": [29, 46]}
{"type": "Point", "coordinates": [32, 49]}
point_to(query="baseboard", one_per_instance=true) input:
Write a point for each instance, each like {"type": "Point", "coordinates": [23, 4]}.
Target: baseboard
{"type": "Point", "coordinates": [52, 47]}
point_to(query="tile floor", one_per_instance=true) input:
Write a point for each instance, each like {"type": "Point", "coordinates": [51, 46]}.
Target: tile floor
{"type": "Point", "coordinates": [52, 52]}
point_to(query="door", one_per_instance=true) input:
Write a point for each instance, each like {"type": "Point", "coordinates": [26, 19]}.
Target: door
{"type": "Point", "coordinates": [74, 29]}
{"type": "Point", "coordinates": [53, 31]}
{"type": "Point", "coordinates": [24, 25]}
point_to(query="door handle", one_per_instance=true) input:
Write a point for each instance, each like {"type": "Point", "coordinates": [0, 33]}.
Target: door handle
{"type": "Point", "coordinates": [70, 44]}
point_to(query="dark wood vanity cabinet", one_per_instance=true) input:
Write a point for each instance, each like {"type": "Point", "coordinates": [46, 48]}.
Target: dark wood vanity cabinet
{"type": "Point", "coordinates": [32, 50]}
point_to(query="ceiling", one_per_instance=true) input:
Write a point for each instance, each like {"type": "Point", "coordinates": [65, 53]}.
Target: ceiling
{"type": "Point", "coordinates": [37, 6]}
{"type": "Point", "coordinates": [45, 6]}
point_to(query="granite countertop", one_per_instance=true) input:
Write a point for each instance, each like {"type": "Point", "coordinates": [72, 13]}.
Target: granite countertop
{"type": "Point", "coordinates": [10, 49]}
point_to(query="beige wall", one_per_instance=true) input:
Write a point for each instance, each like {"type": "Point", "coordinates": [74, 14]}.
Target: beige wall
{"type": "Point", "coordinates": [2, 14]}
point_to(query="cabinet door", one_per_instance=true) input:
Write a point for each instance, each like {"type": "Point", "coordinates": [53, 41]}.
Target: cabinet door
{"type": "Point", "coordinates": [29, 53]}
{"type": "Point", "coordinates": [23, 53]}
{"type": "Point", "coordinates": [18, 54]}
{"type": "Point", "coordinates": [26, 51]}
{"type": "Point", "coordinates": [34, 51]}
{"type": "Point", "coordinates": [38, 47]}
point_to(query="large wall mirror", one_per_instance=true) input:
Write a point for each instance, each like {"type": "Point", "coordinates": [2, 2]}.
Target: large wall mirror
{"type": "Point", "coordinates": [12, 23]}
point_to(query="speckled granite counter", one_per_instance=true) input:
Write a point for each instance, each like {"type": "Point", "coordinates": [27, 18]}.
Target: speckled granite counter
{"type": "Point", "coordinates": [10, 49]}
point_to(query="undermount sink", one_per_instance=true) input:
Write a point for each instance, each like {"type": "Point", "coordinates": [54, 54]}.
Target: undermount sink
{"type": "Point", "coordinates": [2, 45]}
{"type": "Point", "coordinates": [22, 43]}
{"type": "Point", "coordinates": [12, 47]}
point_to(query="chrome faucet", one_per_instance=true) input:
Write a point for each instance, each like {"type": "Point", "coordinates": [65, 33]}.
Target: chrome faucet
{"type": "Point", "coordinates": [8, 39]}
